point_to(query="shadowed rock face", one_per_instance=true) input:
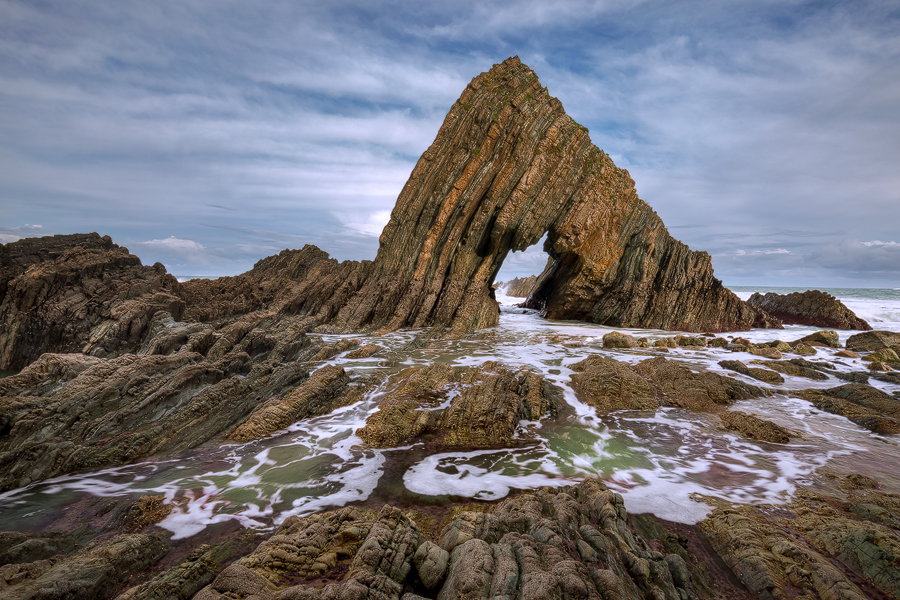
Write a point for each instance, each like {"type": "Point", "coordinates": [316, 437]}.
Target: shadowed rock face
{"type": "Point", "coordinates": [77, 293]}
{"type": "Point", "coordinates": [812, 307]}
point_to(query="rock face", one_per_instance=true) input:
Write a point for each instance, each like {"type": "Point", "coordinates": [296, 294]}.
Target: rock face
{"type": "Point", "coordinates": [812, 307]}
{"type": "Point", "coordinates": [68, 412]}
{"type": "Point", "coordinates": [77, 293]}
{"type": "Point", "coordinates": [873, 340]}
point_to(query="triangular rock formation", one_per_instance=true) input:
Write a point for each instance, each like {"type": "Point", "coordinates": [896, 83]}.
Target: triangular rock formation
{"type": "Point", "coordinates": [508, 165]}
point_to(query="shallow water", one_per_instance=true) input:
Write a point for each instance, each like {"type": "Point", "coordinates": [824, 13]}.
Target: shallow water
{"type": "Point", "coordinates": [672, 463]}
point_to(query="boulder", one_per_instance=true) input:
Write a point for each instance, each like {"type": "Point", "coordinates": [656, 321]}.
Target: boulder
{"type": "Point", "coordinates": [812, 308]}
{"type": "Point", "coordinates": [754, 427]}
{"type": "Point", "coordinates": [458, 406]}
{"type": "Point", "coordinates": [873, 340]}
{"type": "Point", "coordinates": [615, 339]}
{"type": "Point", "coordinates": [885, 355]}
{"type": "Point", "coordinates": [610, 385]}
{"type": "Point", "coordinates": [827, 337]}
{"type": "Point", "coordinates": [760, 374]}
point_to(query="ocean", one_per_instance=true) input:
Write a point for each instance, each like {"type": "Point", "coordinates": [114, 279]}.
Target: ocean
{"type": "Point", "coordinates": [673, 463]}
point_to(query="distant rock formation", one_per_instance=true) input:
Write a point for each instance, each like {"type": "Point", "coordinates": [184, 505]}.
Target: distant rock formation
{"type": "Point", "coordinates": [812, 308]}
{"type": "Point", "coordinates": [519, 287]}
{"type": "Point", "coordinates": [77, 293]}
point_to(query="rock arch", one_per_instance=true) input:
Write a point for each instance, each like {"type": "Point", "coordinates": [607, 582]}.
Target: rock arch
{"type": "Point", "coordinates": [507, 166]}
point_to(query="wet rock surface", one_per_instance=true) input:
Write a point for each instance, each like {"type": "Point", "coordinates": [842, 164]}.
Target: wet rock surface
{"type": "Point", "coordinates": [812, 307]}
{"type": "Point", "coordinates": [863, 404]}
{"type": "Point", "coordinates": [455, 406]}
{"type": "Point", "coordinates": [820, 545]}
{"type": "Point", "coordinates": [571, 542]}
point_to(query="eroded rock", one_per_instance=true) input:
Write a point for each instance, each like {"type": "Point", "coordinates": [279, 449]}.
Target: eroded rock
{"type": "Point", "coordinates": [812, 307]}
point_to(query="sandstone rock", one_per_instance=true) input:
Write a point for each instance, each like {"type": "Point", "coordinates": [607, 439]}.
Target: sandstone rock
{"type": "Point", "coordinates": [187, 578]}
{"type": "Point", "coordinates": [718, 342]}
{"type": "Point", "coordinates": [884, 355]}
{"type": "Point", "coordinates": [766, 352]}
{"type": "Point", "coordinates": [873, 340]}
{"type": "Point", "coordinates": [507, 166]}
{"type": "Point", "coordinates": [865, 405]}
{"type": "Point", "coordinates": [23, 547]}
{"type": "Point", "coordinates": [688, 341]}
{"type": "Point", "coordinates": [680, 387]}
{"type": "Point", "coordinates": [803, 349]}
{"type": "Point", "coordinates": [431, 564]}
{"type": "Point", "coordinates": [616, 339]}
{"type": "Point", "coordinates": [666, 342]}
{"type": "Point", "coordinates": [760, 374]}
{"type": "Point", "coordinates": [812, 307]}
{"type": "Point", "coordinates": [322, 392]}
{"type": "Point", "coordinates": [846, 354]}
{"type": "Point", "coordinates": [792, 368]}
{"type": "Point", "coordinates": [778, 345]}
{"type": "Point", "coordinates": [91, 573]}
{"type": "Point", "coordinates": [73, 293]}
{"type": "Point", "coordinates": [237, 581]}
{"type": "Point", "coordinates": [457, 406]}
{"type": "Point", "coordinates": [822, 546]}
{"type": "Point", "coordinates": [827, 337]}
{"type": "Point", "coordinates": [365, 351]}
{"type": "Point", "coordinates": [610, 385]}
{"type": "Point", "coordinates": [754, 427]}
{"type": "Point", "coordinates": [118, 410]}
{"type": "Point", "coordinates": [880, 366]}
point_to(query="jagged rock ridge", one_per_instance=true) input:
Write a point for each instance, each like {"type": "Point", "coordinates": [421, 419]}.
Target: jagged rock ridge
{"type": "Point", "coordinates": [812, 307]}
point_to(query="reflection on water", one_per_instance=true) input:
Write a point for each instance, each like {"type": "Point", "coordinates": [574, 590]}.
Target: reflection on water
{"type": "Point", "coordinates": [658, 461]}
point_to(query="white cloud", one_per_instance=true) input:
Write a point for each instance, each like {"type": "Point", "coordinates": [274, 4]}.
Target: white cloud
{"type": "Point", "coordinates": [174, 243]}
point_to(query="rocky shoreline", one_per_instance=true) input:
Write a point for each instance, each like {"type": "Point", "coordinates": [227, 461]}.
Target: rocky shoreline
{"type": "Point", "coordinates": [118, 363]}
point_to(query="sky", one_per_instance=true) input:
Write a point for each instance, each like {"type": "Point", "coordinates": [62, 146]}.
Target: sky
{"type": "Point", "coordinates": [210, 134]}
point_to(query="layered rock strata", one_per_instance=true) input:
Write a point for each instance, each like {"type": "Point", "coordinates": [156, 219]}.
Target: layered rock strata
{"type": "Point", "coordinates": [68, 412]}
{"type": "Point", "coordinates": [611, 385]}
{"type": "Point", "coordinates": [507, 166]}
{"type": "Point", "coordinates": [812, 308]}
{"type": "Point", "coordinates": [519, 287]}
{"type": "Point", "coordinates": [571, 542]}
{"type": "Point", "coordinates": [77, 293]}
{"type": "Point", "coordinates": [456, 406]}
{"type": "Point", "coordinates": [820, 546]}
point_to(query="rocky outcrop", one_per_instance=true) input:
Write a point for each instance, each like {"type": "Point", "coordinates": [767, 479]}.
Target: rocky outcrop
{"type": "Point", "coordinates": [68, 412]}
{"type": "Point", "coordinates": [571, 542]}
{"type": "Point", "coordinates": [812, 308]}
{"type": "Point", "coordinates": [758, 374]}
{"type": "Point", "coordinates": [754, 427]}
{"type": "Point", "coordinates": [77, 293]}
{"type": "Point", "coordinates": [458, 406]}
{"type": "Point", "coordinates": [873, 340]}
{"type": "Point", "coordinates": [92, 572]}
{"type": "Point", "coordinates": [863, 404]}
{"type": "Point", "coordinates": [507, 166]}
{"type": "Point", "coordinates": [610, 385]}
{"type": "Point", "coordinates": [519, 287]}
{"type": "Point", "coordinates": [819, 546]}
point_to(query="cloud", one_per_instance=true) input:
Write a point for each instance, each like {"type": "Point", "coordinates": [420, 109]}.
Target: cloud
{"type": "Point", "coordinates": [765, 126]}
{"type": "Point", "coordinates": [12, 234]}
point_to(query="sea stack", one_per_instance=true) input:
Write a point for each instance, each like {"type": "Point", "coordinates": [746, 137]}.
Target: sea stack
{"type": "Point", "coordinates": [507, 166]}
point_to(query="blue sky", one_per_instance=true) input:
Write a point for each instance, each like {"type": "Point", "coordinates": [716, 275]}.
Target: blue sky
{"type": "Point", "coordinates": [208, 135]}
